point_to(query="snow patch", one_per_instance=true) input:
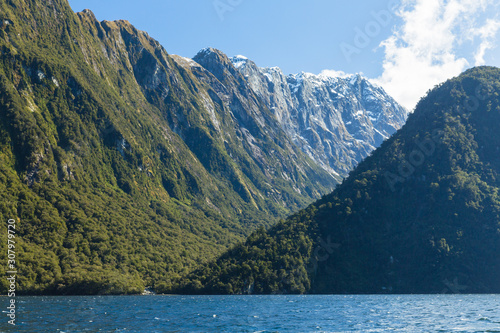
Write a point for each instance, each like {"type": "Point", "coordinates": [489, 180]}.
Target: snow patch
{"type": "Point", "coordinates": [190, 61]}
{"type": "Point", "coordinates": [239, 61]}
{"type": "Point", "coordinates": [268, 77]}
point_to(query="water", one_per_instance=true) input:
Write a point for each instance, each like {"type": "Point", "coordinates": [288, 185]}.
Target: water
{"type": "Point", "coordinates": [324, 313]}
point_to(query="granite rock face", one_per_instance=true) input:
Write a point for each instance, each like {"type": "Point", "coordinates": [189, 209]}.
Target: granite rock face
{"type": "Point", "coordinates": [336, 120]}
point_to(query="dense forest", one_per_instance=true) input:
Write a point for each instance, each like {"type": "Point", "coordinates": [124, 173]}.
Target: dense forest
{"type": "Point", "coordinates": [122, 168]}
{"type": "Point", "coordinates": [420, 215]}
{"type": "Point", "coordinates": [126, 167]}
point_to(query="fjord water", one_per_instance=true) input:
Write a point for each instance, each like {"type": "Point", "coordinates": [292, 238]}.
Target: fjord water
{"type": "Point", "coordinates": [291, 313]}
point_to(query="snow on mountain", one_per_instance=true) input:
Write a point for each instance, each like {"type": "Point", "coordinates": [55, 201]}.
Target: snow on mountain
{"type": "Point", "coordinates": [335, 118]}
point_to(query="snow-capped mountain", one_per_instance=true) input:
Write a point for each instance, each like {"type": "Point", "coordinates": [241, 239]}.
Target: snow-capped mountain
{"type": "Point", "coordinates": [337, 120]}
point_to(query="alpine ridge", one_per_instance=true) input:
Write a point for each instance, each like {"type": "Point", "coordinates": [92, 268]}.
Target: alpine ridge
{"type": "Point", "coordinates": [420, 215]}
{"type": "Point", "coordinates": [126, 167]}
{"type": "Point", "coordinates": [336, 119]}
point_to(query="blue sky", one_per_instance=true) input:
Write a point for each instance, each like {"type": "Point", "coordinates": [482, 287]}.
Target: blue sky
{"type": "Point", "coordinates": [401, 44]}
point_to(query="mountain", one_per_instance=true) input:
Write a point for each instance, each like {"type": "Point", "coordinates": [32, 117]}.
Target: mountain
{"type": "Point", "coordinates": [337, 120]}
{"type": "Point", "coordinates": [420, 215]}
{"type": "Point", "coordinates": [125, 166]}
{"type": "Point", "coordinates": [251, 135]}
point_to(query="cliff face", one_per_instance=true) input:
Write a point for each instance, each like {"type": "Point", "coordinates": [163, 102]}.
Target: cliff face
{"type": "Point", "coordinates": [126, 165]}
{"type": "Point", "coordinates": [420, 215]}
{"type": "Point", "coordinates": [337, 121]}
{"type": "Point", "coordinates": [220, 119]}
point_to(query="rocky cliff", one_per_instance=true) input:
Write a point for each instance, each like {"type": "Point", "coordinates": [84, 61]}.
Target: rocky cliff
{"type": "Point", "coordinates": [337, 120]}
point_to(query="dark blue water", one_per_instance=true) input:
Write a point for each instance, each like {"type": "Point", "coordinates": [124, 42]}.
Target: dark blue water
{"type": "Point", "coordinates": [408, 313]}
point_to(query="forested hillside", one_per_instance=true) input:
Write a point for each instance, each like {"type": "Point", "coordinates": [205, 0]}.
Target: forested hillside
{"type": "Point", "coordinates": [123, 166]}
{"type": "Point", "coordinates": [420, 215]}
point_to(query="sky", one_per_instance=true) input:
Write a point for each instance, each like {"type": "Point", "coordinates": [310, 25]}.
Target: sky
{"type": "Point", "coordinates": [406, 46]}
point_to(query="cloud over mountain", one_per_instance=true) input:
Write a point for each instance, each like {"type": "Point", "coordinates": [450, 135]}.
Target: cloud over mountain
{"type": "Point", "coordinates": [437, 40]}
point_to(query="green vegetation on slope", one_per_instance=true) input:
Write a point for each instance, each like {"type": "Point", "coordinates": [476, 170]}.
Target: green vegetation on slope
{"type": "Point", "coordinates": [420, 215]}
{"type": "Point", "coordinates": [110, 162]}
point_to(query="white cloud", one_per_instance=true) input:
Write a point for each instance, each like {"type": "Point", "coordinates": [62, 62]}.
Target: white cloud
{"type": "Point", "coordinates": [333, 73]}
{"type": "Point", "coordinates": [423, 52]}
{"type": "Point", "coordinates": [486, 33]}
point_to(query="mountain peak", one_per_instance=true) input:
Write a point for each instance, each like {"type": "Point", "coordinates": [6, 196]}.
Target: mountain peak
{"type": "Point", "coordinates": [421, 211]}
{"type": "Point", "coordinates": [100, 126]}
{"type": "Point", "coordinates": [216, 62]}
{"type": "Point", "coordinates": [239, 57]}
{"type": "Point", "coordinates": [210, 52]}
{"type": "Point", "coordinates": [239, 61]}
{"type": "Point", "coordinates": [87, 11]}
{"type": "Point", "coordinates": [336, 118]}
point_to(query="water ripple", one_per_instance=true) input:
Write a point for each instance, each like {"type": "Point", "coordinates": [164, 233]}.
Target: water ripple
{"type": "Point", "coordinates": [264, 314]}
